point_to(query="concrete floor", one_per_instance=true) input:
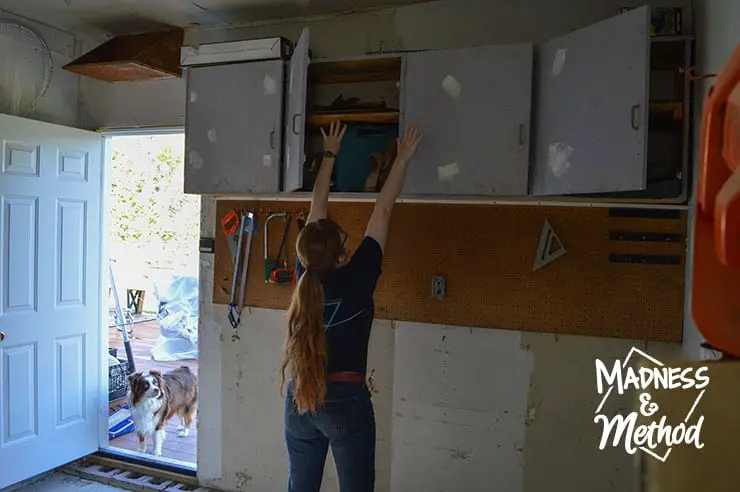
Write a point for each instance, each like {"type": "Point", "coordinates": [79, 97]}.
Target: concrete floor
{"type": "Point", "coordinates": [60, 482]}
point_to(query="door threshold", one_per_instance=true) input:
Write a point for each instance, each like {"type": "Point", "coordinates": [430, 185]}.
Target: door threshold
{"type": "Point", "coordinates": [167, 465]}
{"type": "Point", "coordinates": [133, 473]}
{"type": "Point", "coordinates": [129, 476]}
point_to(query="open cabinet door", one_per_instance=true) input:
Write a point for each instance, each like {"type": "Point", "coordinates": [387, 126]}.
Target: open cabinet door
{"type": "Point", "coordinates": [592, 108]}
{"type": "Point", "coordinates": [50, 308]}
{"type": "Point", "coordinates": [296, 116]}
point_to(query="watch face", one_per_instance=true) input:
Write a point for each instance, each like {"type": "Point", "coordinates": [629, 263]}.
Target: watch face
{"type": "Point", "coordinates": [329, 153]}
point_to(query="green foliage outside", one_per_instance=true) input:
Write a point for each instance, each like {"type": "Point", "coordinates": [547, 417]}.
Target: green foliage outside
{"type": "Point", "coordinates": [154, 226]}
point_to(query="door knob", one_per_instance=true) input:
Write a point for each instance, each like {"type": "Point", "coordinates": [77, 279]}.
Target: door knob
{"type": "Point", "coordinates": [2, 336]}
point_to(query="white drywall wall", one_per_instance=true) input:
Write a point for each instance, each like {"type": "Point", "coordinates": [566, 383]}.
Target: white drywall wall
{"type": "Point", "coordinates": [60, 104]}
{"type": "Point", "coordinates": [149, 104]}
{"type": "Point", "coordinates": [456, 408]}
{"type": "Point", "coordinates": [459, 407]}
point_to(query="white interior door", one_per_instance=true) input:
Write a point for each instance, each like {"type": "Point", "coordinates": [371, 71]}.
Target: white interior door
{"type": "Point", "coordinates": [50, 247]}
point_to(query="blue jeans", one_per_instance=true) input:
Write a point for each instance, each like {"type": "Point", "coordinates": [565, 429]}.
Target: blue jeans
{"type": "Point", "coordinates": [346, 422]}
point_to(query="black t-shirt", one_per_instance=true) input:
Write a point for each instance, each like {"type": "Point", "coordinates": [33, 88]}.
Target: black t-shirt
{"type": "Point", "coordinates": [349, 308]}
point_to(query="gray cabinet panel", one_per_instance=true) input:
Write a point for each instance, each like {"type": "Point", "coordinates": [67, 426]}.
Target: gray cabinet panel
{"type": "Point", "coordinates": [233, 128]}
{"type": "Point", "coordinates": [473, 107]}
{"type": "Point", "coordinates": [592, 107]}
{"type": "Point", "coordinates": [296, 116]}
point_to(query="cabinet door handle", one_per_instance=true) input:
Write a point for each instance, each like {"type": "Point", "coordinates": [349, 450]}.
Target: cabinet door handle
{"type": "Point", "coordinates": [272, 139]}
{"type": "Point", "coordinates": [633, 116]}
{"type": "Point", "coordinates": [297, 116]}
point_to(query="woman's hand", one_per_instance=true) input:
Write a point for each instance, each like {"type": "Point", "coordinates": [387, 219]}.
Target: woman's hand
{"type": "Point", "coordinates": [333, 140]}
{"type": "Point", "coordinates": [377, 227]}
{"type": "Point", "coordinates": [407, 146]}
{"type": "Point", "coordinates": [320, 197]}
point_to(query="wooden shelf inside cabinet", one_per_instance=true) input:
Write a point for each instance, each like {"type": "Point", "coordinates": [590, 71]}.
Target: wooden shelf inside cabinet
{"type": "Point", "coordinates": [353, 71]}
{"type": "Point", "coordinates": [377, 117]}
{"type": "Point", "coordinates": [674, 109]}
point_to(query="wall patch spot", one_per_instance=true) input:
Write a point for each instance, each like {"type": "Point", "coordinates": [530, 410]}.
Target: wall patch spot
{"type": "Point", "coordinates": [558, 158]}
{"type": "Point", "coordinates": [195, 160]}
{"type": "Point", "coordinates": [242, 480]}
{"type": "Point", "coordinates": [558, 62]}
{"type": "Point", "coordinates": [211, 134]}
{"type": "Point", "coordinates": [193, 96]}
{"type": "Point", "coordinates": [268, 83]}
{"type": "Point", "coordinates": [267, 160]}
{"type": "Point", "coordinates": [457, 454]}
{"type": "Point", "coordinates": [448, 172]}
{"type": "Point", "coordinates": [451, 86]}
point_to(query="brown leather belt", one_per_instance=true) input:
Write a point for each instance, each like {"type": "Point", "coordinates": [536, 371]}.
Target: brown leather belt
{"type": "Point", "coordinates": [345, 377]}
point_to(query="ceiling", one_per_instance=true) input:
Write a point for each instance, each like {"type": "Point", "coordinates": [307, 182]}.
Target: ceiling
{"type": "Point", "coordinates": [112, 17]}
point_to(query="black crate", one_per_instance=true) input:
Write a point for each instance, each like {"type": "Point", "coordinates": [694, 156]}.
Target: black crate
{"type": "Point", "coordinates": [117, 384]}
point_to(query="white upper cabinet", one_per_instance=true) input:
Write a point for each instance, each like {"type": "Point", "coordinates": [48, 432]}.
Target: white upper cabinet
{"type": "Point", "coordinates": [591, 108]}
{"type": "Point", "coordinates": [233, 128]}
{"type": "Point", "coordinates": [473, 107]}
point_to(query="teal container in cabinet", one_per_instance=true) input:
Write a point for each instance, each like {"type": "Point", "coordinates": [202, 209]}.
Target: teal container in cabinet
{"type": "Point", "coordinates": [354, 162]}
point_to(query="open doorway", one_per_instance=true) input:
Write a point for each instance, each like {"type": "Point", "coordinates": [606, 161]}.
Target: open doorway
{"type": "Point", "coordinates": [153, 234]}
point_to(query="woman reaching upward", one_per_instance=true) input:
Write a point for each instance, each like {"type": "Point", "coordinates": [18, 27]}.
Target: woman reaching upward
{"type": "Point", "coordinates": [329, 323]}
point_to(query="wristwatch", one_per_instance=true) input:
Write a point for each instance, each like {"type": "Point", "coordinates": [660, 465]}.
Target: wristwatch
{"type": "Point", "coordinates": [328, 154]}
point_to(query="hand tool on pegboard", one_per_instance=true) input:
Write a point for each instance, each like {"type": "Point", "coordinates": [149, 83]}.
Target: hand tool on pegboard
{"type": "Point", "coordinates": [230, 224]}
{"type": "Point", "coordinates": [546, 254]}
{"type": "Point", "coordinates": [246, 228]}
{"type": "Point", "coordinates": [275, 273]}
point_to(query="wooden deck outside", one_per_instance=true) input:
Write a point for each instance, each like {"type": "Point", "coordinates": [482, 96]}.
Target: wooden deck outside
{"type": "Point", "coordinates": [143, 339]}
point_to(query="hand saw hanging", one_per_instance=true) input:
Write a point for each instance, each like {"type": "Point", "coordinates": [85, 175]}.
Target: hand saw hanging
{"type": "Point", "coordinates": [239, 230]}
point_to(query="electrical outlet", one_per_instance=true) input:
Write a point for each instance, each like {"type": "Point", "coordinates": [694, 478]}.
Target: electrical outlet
{"type": "Point", "coordinates": [439, 287]}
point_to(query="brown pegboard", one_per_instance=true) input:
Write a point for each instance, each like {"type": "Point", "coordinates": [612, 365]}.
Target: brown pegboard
{"type": "Point", "coordinates": [487, 254]}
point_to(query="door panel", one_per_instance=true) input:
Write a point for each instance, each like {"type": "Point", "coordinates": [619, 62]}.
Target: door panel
{"type": "Point", "coordinates": [592, 107]}
{"type": "Point", "coordinates": [473, 107]}
{"type": "Point", "coordinates": [50, 226]}
{"type": "Point", "coordinates": [70, 394]}
{"type": "Point", "coordinates": [73, 165]}
{"type": "Point", "coordinates": [70, 254]}
{"type": "Point", "coordinates": [296, 115]}
{"type": "Point", "coordinates": [20, 231]}
{"type": "Point", "coordinates": [20, 415]}
{"type": "Point", "coordinates": [234, 128]}
{"type": "Point", "coordinates": [21, 159]}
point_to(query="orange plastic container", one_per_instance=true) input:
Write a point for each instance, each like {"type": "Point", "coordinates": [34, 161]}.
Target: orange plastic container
{"type": "Point", "coordinates": [715, 302]}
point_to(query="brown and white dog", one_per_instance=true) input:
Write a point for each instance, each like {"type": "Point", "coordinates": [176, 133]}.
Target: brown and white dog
{"type": "Point", "coordinates": [155, 398]}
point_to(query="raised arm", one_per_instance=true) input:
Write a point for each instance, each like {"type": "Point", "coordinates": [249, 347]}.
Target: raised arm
{"type": "Point", "coordinates": [320, 196]}
{"type": "Point", "coordinates": [377, 227]}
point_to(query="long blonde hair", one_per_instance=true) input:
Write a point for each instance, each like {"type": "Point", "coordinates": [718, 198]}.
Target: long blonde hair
{"type": "Point", "coordinates": [320, 247]}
